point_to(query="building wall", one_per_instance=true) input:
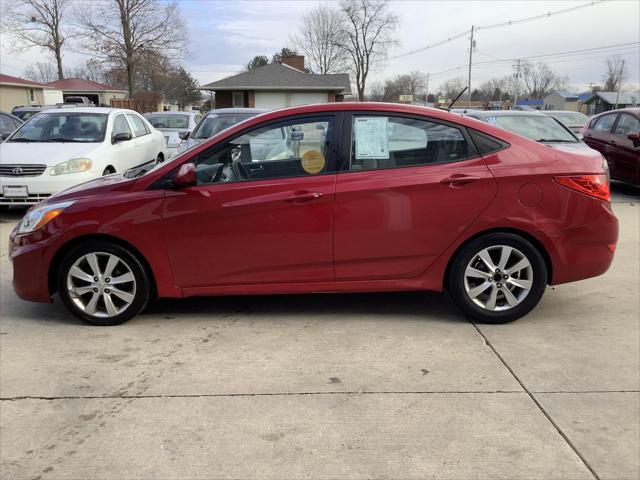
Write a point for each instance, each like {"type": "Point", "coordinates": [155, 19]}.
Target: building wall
{"type": "Point", "coordinates": [105, 97]}
{"type": "Point", "coordinates": [11, 96]}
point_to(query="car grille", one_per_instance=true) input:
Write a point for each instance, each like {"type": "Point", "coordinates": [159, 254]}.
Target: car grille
{"type": "Point", "coordinates": [32, 199]}
{"type": "Point", "coordinates": [21, 170]}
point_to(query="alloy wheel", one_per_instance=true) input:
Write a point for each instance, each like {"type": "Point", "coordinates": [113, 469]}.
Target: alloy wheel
{"type": "Point", "coordinates": [498, 278]}
{"type": "Point", "coordinates": [101, 284]}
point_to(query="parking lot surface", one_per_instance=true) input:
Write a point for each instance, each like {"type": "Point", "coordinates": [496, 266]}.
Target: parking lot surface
{"type": "Point", "coordinates": [329, 386]}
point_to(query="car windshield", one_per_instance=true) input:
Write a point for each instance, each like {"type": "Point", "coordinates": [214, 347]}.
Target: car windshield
{"type": "Point", "coordinates": [214, 123]}
{"type": "Point", "coordinates": [571, 118]}
{"type": "Point", "coordinates": [168, 121]}
{"type": "Point", "coordinates": [538, 128]}
{"type": "Point", "coordinates": [63, 127]}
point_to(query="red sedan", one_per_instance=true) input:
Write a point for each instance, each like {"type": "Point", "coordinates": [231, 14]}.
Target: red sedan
{"type": "Point", "coordinates": [328, 198]}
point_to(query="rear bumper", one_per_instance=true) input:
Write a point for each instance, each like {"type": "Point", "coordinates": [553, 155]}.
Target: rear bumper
{"type": "Point", "coordinates": [587, 250]}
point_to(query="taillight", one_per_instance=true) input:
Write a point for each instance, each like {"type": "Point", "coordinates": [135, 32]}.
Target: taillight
{"type": "Point", "coordinates": [593, 185]}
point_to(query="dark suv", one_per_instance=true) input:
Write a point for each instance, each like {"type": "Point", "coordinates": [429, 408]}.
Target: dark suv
{"type": "Point", "coordinates": [616, 135]}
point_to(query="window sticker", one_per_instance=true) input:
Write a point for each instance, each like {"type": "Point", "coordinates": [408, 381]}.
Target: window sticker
{"type": "Point", "coordinates": [372, 139]}
{"type": "Point", "coordinates": [313, 162]}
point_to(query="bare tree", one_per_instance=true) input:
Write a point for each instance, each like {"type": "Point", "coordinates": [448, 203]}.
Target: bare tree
{"type": "Point", "coordinates": [121, 32]}
{"type": "Point", "coordinates": [41, 72]}
{"type": "Point", "coordinates": [497, 88]}
{"type": "Point", "coordinates": [38, 23]}
{"type": "Point", "coordinates": [540, 80]}
{"type": "Point", "coordinates": [367, 34]}
{"type": "Point", "coordinates": [614, 74]}
{"type": "Point", "coordinates": [413, 83]}
{"type": "Point", "coordinates": [452, 87]}
{"type": "Point", "coordinates": [320, 40]}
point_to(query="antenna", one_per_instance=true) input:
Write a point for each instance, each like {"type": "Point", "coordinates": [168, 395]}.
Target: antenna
{"type": "Point", "coordinates": [456, 99]}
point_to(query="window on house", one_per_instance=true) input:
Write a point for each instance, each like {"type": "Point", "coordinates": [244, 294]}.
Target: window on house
{"type": "Point", "coordinates": [32, 95]}
{"type": "Point", "coordinates": [238, 99]}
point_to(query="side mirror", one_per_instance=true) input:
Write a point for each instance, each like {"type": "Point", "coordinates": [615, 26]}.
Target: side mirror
{"type": "Point", "coordinates": [184, 135]}
{"type": "Point", "coordinates": [297, 136]}
{"type": "Point", "coordinates": [4, 136]}
{"type": "Point", "coordinates": [121, 137]}
{"type": "Point", "coordinates": [186, 176]}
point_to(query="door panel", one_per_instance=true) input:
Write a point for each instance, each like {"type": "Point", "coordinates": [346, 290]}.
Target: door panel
{"type": "Point", "coordinates": [394, 223]}
{"type": "Point", "coordinates": [276, 231]}
{"type": "Point", "coordinates": [623, 153]}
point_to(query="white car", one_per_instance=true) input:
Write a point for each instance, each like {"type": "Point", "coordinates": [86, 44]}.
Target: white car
{"type": "Point", "coordinates": [60, 148]}
{"type": "Point", "coordinates": [172, 124]}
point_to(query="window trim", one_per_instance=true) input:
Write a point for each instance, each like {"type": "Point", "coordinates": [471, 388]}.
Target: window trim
{"type": "Point", "coordinates": [344, 163]}
{"type": "Point", "coordinates": [233, 99]}
{"type": "Point", "coordinates": [133, 129]}
{"type": "Point", "coordinates": [332, 158]}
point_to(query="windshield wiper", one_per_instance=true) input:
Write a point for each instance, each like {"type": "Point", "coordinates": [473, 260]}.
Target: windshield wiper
{"type": "Point", "coordinates": [60, 140]}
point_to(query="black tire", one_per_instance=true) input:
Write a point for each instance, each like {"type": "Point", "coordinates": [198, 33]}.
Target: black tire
{"type": "Point", "coordinates": [456, 278]}
{"type": "Point", "coordinates": [108, 171]}
{"type": "Point", "coordinates": [142, 283]}
{"type": "Point", "coordinates": [159, 158]}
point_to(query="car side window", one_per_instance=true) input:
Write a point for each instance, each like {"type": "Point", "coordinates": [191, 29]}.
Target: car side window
{"type": "Point", "coordinates": [604, 123]}
{"type": "Point", "coordinates": [287, 149]}
{"type": "Point", "coordinates": [139, 128]}
{"type": "Point", "coordinates": [380, 142]}
{"type": "Point", "coordinates": [120, 125]}
{"type": "Point", "coordinates": [627, 124]}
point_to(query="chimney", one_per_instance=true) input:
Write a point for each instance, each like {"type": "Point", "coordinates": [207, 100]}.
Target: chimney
{"type": "Point", "coordinates": [295, 61]}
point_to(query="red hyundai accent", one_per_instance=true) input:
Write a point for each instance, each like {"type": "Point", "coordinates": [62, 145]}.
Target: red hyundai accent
{"type": "Point", "coordinates": [328, 198]}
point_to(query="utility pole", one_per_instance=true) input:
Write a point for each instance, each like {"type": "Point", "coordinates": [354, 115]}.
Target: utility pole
{"type": "Point", "coordinates": [619, 84]}
{"type": "Point", "coordinates": [471, 45]}
{"type": "Point", "coordinates": [426, 95]}
{"type": "Point", "coordinates": [515, 88]}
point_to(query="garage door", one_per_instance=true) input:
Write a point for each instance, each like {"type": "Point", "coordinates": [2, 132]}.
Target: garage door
{"type": "Point", "coordinates": [307, 98]}
{"type": "Point", "coordinates": [271, 101]}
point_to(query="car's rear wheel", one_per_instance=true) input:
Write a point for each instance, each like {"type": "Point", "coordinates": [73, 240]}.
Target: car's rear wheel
{"type": "Point", "coordinates": [108, 171]}
{"type": "Point", "coordinates": [103, 283]}
{"type": "Point", "coordinates": [497, 278]}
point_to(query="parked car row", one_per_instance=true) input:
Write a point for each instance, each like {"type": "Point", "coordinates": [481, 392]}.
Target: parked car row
{"type": "Point", "coordinates": [61, 148]}
{"type": "Point", "coordinates": [615, 134]}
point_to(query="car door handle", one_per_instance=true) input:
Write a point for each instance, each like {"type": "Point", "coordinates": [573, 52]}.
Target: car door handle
{"type": "Point", "coordinates": [300, 197]}
{"type": "Point", "coordinates": [458, 180]}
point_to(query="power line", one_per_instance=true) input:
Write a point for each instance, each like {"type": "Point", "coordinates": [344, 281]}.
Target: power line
{"type": "Point", "coordinates": [496, 25]}
{"type": "Point", "coordinates": [568, 53]}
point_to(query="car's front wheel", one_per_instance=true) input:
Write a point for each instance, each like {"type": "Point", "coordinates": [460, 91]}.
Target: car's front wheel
{"type": "Point", "coordinates": [497, 278]}
{"type": "Point", "coordinates": [103, 283]}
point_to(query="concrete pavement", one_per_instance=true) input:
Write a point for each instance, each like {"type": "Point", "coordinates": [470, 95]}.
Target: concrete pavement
{"type": "Point", "coordinates": [329, 386]}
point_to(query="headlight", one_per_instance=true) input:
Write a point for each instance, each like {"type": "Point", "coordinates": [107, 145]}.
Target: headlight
{"type": "Point", "coordinates": [40, 216]}
{"type": "Point", "coordinates": [72, 166]}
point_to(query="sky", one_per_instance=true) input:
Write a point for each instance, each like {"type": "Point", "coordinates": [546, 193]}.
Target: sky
{"type": "Point", "coordinates": [224, 35]}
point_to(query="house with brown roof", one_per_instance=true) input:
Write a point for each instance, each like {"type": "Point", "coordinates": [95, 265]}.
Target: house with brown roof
{"type": "Point", "coordinates": [98, 93]}
{"type": "Point", "coordinates": [278, 85]}
{"type": "Point", "coordinates": [15, 91]}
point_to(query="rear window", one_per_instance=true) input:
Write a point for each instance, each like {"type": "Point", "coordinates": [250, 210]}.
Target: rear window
{"type": "Point", "coordinates": [169, 121]}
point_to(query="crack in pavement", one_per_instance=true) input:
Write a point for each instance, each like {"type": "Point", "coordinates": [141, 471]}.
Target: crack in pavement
{"type": "Point", "coordinates": [536, 402]}
{"type": "Point", "coordinates": [285, 394]}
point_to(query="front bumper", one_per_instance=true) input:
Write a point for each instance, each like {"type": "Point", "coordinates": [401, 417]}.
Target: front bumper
{"type": "Point", "coordinates": [42, 186]}
{"type": "Point", "coordinates": [31, 255]}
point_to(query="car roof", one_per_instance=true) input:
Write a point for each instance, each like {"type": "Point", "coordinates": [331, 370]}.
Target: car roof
{"type": "Point", "coordinates": [562, 111]}
{"type": "Point", "coordinates": [238, 110]}
{"type": "Point", "coordinates": [171, 113]}
{"type": "Point", "coordinates": [101, 110]}
{"type": "Point", "coordinates": [509, 113]}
